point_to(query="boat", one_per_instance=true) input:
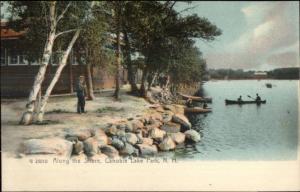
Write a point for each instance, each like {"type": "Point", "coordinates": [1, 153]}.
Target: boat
{"type": "Point", "coordinates": [196, 98]}
{"type": "Point", "coordinates": [197, 110]}
{"type": "Point", "coordinates": [230, 102]}
{"type": "Point", "coordinates": [268, 85]}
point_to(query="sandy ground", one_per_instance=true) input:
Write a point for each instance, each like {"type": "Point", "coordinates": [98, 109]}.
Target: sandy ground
{"type": "Point", "coordinates": [61, 112]}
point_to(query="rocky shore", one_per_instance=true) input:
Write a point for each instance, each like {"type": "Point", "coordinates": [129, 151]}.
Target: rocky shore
{"type": "Point", "coordinates": [160, 128]}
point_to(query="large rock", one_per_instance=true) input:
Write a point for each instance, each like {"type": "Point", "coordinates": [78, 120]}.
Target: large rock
{"type": "Point", "coordinates": [181, 119]}
{"type": "Point", "coordinates": [156, 116]}
{"type": "Point", "coordinates": [78, 148]}
{"type": "Point", "coordinates": [56, 146]}
{"type": "Point", "coordinates": [147, 141]}
{"type": "Point", "coordinates": [157, 134]}
{"type": "Point", "coordinates": [178, 138]}
{"type": "Point", "coordinates": [111, 130]}
{"type": "Point", "coordinates": [117, 143]}
{"type": "Point", "coordinates": [192, 135]}
{"type": "Point", "coordinates": [110, 151]}
{"type": "Point", "coordinates": [121, 133]}
{"type": "Point", "coordinates": [167, 116]}
{"type": "Point", "coordinates": [167, 144]}
{"type": "Point", "coordinates": [147, 149]}
{"type": "Point", "coordinates": [82, 134]}
{"type": "Point", "coordinates": [90, 146]}
{"type": "Point", "coordinates": [131, 138]}
{"type": "Point", "coordinates": [129, 150]}
{"type": "Point", "coordinates": [101, 137]}
{"type": "Point", "coordinates": [136, 125]}
{"type": "Point", "coordinates": [171, 127]}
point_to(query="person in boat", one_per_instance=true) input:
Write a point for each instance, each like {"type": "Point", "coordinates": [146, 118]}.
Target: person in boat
{"type": "Point", "coordinates": [189, 102]}
{"type": "Point", "coordinates": [258, 99]}
{"type": "Point", "coordinates": [240, 99]}
{"type": "Point", "coordinates": [204, 105]}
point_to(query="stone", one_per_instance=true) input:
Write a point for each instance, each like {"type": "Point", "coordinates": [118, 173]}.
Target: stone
{"type": "Point", "coordinates": [131, 138]}
{"type": "Point", "coordinates": [110, 151]}
{"type": "Point", "coordinates": [181, 119]}
{"type": "Point", "coordinates": [147, 149]}
{"type": "Point", "coordinates": [101, 137]}
{"type": "Point", "coordinates": [136, 124]}
{"type": "Point", "coordinates": [157, 134]}
{"type": "Point", "coordinates": [192, 135]}
{"type": "Point", "coordinates": [56, 146]}
{"type": "Point", "coordinates": [160, 109]}
{"type": "Point", "coordinates": [171, 127]}
{"type": "Point", "coordinates": [121, 126]}
{"type": "Point", "coordinates": [111, 131]}
{"type": "Point", "coordinates": [179, 109]}
{"type": "Point", "coordinates": [167, 116]}
{"type": "Point", "coordinates": [121, 133]}
{"type": "Point", "coordinates": [81, 157]}
{"type": "Point", "coordinates": [167, 144]}
{"type": "Point", "coordinates": [139, 137]}
{"type": "Point", "coordinates": [178, 138]}
{"type": "Point", "coordinates": [128, 150]}
{"type": "Point", "coordinates": [156, 116]}
{"type": "Point", "coordinates": [117, 143]}
{"type": "Point", "coordinates": [128, 127]}
{"type": "Point", "coordinates": [78, 148]}
{"type": "Point", "coordinates": [147, 141]}
{"type": "Point", "coordinates": [170, 108]}
{"type": "Point", "coordinates": [90, 146]}
{"type": "Point", "coordinates": [80, 134]}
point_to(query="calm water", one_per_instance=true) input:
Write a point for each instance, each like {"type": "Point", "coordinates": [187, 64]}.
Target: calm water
{"type": "Point", "coordinates": [247, 132]}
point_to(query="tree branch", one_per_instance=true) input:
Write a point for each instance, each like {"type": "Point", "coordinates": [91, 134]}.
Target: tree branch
{"type": "Point", "coordinates": [64, 11]}
{"type": "Point", "coordinates": [64, 32]}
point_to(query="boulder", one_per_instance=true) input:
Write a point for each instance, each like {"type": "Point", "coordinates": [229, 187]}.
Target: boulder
{"type": "Point", "coordinates": [131, 138]}
{"type": "Point", "coordinates": [137, 124]}
{"type": "Point", "coordinates": [156, 116]}
{"type": "Point", "coordinates": [101, 137]}
{"type": "Point", "coordinates": [139, 138]}
{"type": "Point", "coordinates": [157, 134]}
{"type": "Point", "coordinates": [147, 149]}
{"type": "Point", "coordinates": [171, 127]}
{"type": "Point", "coordinates": [129, 127]}
{"type": "Point", "coordinates": [147, 141]}
{"type": "Point", "coordinates": [181, 119]}
{"type": "Point", "coordinates": [121, 133]}
{"type": "Point", "coordinates": [192, 135]}
{"type": "Point", "coordinates": [90, 146]}
{"type": "Point", "coordinates": [167, 144]}
{"type": "Point", "coordinates": [170, 108]}
{"type": "Point", "coordinates": [111, 130]}
{"type": "Point", "coordinates": [159, 109]}
{"type": "Point", "coordinates": [178, 138]}
{"type": "Point", "coordinates": [82, 134]}
{"type": "Point", "coordinates": [121, 126]}
{"type": "Point", "coordinates": [78, 148]}
{"type": "Point", "coordinates": [56, 146]}
{"type": "Point", "coordinates": [117, 143]}
{"type": "Point", "coordinates": [167, 116]}
{"type": "Point", "coordinates": [110, 151]}
{"type": "Point", "coordinates": [128, 149]}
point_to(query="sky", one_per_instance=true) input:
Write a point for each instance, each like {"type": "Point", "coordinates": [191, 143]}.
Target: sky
{"type": "Point", "coordinates": [257, 35]}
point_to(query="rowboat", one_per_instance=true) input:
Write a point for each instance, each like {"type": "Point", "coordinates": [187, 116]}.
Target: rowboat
{"type": "Point", "coordinates": [196, 110]}
{"type": "Point", "coordinates": [268, 85]}
{"type": "Point", "coordinates": [195, 98]}
{"type": "Point", "coordinates": [230, 102]}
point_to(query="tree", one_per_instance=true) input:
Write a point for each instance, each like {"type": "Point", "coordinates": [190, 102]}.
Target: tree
{"type": "Point", "coordinates": [71, 17]}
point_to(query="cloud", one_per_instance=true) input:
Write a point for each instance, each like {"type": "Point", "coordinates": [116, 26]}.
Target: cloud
{"type": "Point", "coordinates": [271, 32]}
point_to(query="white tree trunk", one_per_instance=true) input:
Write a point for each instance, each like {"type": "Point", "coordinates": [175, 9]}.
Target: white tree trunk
{"type": "Point", "coordinates": [27, 116]}
{"type": "Point", "coordinates": [91, 95]}
{"type": "Point", "coordinates": [61, 66]}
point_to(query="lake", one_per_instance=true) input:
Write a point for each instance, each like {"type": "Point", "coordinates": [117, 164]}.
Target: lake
{"type": "Point", "coordinates": [247, 132]}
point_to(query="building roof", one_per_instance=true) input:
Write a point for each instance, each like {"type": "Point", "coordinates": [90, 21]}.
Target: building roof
{"type": "Point", "coordinates": [7, 33]}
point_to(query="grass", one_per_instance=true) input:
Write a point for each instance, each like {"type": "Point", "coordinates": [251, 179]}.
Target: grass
{"type": "Point", "coordinates": [109, 109]}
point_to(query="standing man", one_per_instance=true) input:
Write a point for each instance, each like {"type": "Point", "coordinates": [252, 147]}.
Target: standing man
{"type": "Point", "coordinates": [81, 93]}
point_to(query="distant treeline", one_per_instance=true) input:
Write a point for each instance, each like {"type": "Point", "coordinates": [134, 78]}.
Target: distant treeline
{"type": "Point", "coordinates": [285, 73]}
{"type": "Point", "coordinates": [279, 73]}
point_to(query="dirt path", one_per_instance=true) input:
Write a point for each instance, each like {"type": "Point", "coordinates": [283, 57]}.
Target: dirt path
{"type": "Point", "coordinates": [61, 112]}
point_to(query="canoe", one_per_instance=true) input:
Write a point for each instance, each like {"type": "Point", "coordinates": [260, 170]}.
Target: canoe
{"type": "Point", "coordinates": [268, 85]}
{"type": "Point", "coordinates": [195, 98]}
{"type": "Point", "coordinates": [230, 102]}
{"type": "Point", "coordinates": [196, 110]}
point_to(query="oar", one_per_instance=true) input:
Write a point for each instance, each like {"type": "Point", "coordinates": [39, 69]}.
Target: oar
{"type": "Point", "coordinates": [251, 97]}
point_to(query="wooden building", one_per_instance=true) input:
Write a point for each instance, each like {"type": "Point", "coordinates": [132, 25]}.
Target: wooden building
{"type": "Point", "coordinates": [17, 74]}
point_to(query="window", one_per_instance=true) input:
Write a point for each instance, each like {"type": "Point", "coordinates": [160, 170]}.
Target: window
{"type": "Point", "coordinates": [23, 60]}
{"type": "Point", "coordinates": [16, 58]}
